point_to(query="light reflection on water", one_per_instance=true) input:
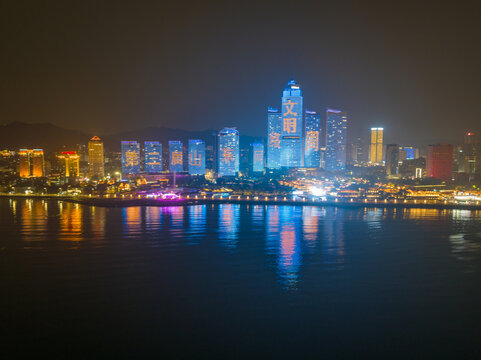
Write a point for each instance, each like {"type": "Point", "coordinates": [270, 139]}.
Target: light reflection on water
{"type": "Point", "coordinates": [229, 218]}
{"type": "Point", "coordinates": [294, 236]}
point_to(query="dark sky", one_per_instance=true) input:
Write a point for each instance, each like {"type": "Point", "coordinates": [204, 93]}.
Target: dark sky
{"type": "Point", "coordinates": [414, 68]}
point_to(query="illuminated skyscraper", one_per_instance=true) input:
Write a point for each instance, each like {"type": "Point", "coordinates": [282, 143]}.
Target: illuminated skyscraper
{"type": "Point", "coordinates": [469, 162]}
{"type": "Point", "coordinates": [291, 134]}
{"type": "Point", "coordinates": [439, 162]}
{"type": "Point", "coordinates": [229, 153]}
{"type": "Point", "coordinates": [153, 156]}
{"type": "Point", "coordinates": [96, 157]}
{"type": "Point", "coordinates": [375, 153]}
{"type": "Point", "coordinates": [274, 129]}
{"type": "Point", "coordinates": [176, 156]}
{"type": "Point", "coordinates": [257, 154]}
{"type": "Point", "coordinates": [312, 143]}
{"type": "Point", "coordinates": [70, 160]}
{"type": "Point", "coordinates": [392, 159]}
{"type": "Point", "coordinates": [411, 152]}
{"type": "Point", "coordinates": [336, 137]}
{"type": "Point", "coordinates": [130, 157]}
{"type": "Point", "coordinates": [197, 157]}
{"type": "Point", "coordinates": [31, 163]}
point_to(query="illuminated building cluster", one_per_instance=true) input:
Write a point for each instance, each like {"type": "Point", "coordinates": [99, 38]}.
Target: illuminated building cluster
{"type": "Point", "coordinates": [31, 163]}
{"type": "Point", "coordinates": [294, 135]}
{"type": "Point", "coordinates": [301, 144]}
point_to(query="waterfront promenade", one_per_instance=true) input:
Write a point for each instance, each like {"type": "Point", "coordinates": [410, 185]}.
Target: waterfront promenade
{"type": "Point", "coordinates": [137, 200]}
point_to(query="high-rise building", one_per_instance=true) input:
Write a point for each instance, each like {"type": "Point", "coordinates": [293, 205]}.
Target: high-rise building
{"type": "Point", "coordinates": [257, 154]}
{"type": "Point", "coordinates": [96, 157]}
{"type": "Point", "coordinates": [336, 137]}
{"type": "Point", "coordinates": [274, 129]}
{"type": "Point", "coordinates": [359, 150]}
{"type": "Point", "coordinates": [439, 162]}
{"type": "Point", "coordinates": [31, 163]}
{"type": "Point", "coordinates": [291, 134]}
{"type": "Point", "coordinates": [130, 157]}
{"type": "Point", "coordinates": [197, 159]}
{"type": "Point", "coordinates": [153, 157]}
{"type": "Point", "coordinates": [392, 159]}
{"type": "Point", "coordinates": [375, 153]}
{"type": "Point", "coordinates": [469, 162]}
{"type": "Point", "coordinates": [411, 152]}
{"type": "Point", "coordinates": [229, 153]}
{"type": "Point", "coordinates": [176, 157]}
{"type": "Point", "coordinates": [312, 144]}
{"type": "Point", "coordinates": [70, 160]}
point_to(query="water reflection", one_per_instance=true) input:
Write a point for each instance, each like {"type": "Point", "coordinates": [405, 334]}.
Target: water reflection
{"type": "Point", "coordinates": [373, 217]}
{"type": "Point", "coordinates": [310, 220]}
{"type": "Point", "coordinates": [333, 242]}
{"type": "Point", "coordinates": [33, 220]}
{"type": "Point", "coordinates": [132, 220]}
{"type": "Point", "coordinates": [257, 215]}
{"type": "Point", "coordinates": [197, 223]}
{"type": "Point", "coordinates": [466, 248]}
{"type": "Point", "coordinates": [283, 236]}
{"type": "Point", "coordinates": [97, 221]}
{"type": "Point", "coordinates": [71, 222]}
{"type": "Point", "coordinates": [295, 236]}
{"type": "Point", "coordinates": [153, 218]}
{"type": "Point", "coordinates": [229, 217]}
{"type": "Point", "coordinates": [176, 219]}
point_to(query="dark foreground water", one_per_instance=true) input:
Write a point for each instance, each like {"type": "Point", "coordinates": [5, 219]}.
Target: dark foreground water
{"type": "Point", "coordinates": [238, 281]}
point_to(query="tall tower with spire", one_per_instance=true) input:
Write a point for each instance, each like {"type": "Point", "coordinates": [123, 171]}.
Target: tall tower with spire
{"type": "Point", "coordinates": [291, 141]}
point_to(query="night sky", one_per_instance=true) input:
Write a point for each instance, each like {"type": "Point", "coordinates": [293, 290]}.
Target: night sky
{"type": "Point", "coordinates": [112, 66]}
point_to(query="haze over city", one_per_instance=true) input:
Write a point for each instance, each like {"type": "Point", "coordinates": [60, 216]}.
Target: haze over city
{"type": "Point", "coordinates": [410, 67]}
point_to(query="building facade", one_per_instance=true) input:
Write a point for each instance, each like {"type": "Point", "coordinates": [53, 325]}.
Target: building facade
{"type": "Point", "coordinates": [229, 152]}
{"type": "Point", "coordinates": [312, 144]}
{"type": "Point", "coordinates": [392, 159]}
{"type": "Point", "coordinates": [31, 163]}
{"type": "Point", "coordinates": [70, 164]}
{"type": "Point", "coordinates": [470, 162]}
{"type": "Point", "coordinates": [96, 158]}
{"type": "Point", "coordinates": [257, 153]}
{"type": "Point", "coordinates": [292, 129]}
{"type": "Point", "coordinates": [336, 138]}
{"type": "Point", "coordinates": [274, 129]}
{"type": "Point", "coordinates": [176, 156]}
{"type": "Point", "coordinates": [439, 162]}
{"type": "Point", "coordinates": [130, 157]}
{"type": "Point", "coordinates": [197, 158]}
{"type": "Point", "coordinates": [375, 150]}
{"type": "Point", "coordinates": [152, 157]}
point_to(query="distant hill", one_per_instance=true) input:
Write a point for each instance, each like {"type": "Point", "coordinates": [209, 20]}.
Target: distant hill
{"type": "Point", "coordinates": [18, 135]}
{"type": "Point", "coordinates": [53, 138]}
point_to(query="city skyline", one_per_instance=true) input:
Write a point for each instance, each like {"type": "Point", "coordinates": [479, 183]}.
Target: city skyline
{"type": "Point", "coordinates": [222, 179]}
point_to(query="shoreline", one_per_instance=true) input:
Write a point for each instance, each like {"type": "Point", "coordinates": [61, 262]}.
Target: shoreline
{"type": "Point", "coordinates": [122, 202]}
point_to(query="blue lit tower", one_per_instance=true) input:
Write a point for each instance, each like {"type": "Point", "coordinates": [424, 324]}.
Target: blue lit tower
{"type": "Point", "coordinates": [291, 131]}
{"type": "Point", "coordinates": [130, 157]}
{"type": "Point", "coordinates": [312, 121]}
{"type": "Point", "coordinates": [153, 156]}
{"type": "Point", "coordinates": [336, 129]}
{"type": "Point", "coordinates": [274, 128]}
{"type": "Point", "coordinates": [176, 156]}
{"type": "Point", "coordinates": [228, 154]}
{"type": "Point", "coordinates": [196, 157]}
{"type": "Point", "coordinates": [257, 154]}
